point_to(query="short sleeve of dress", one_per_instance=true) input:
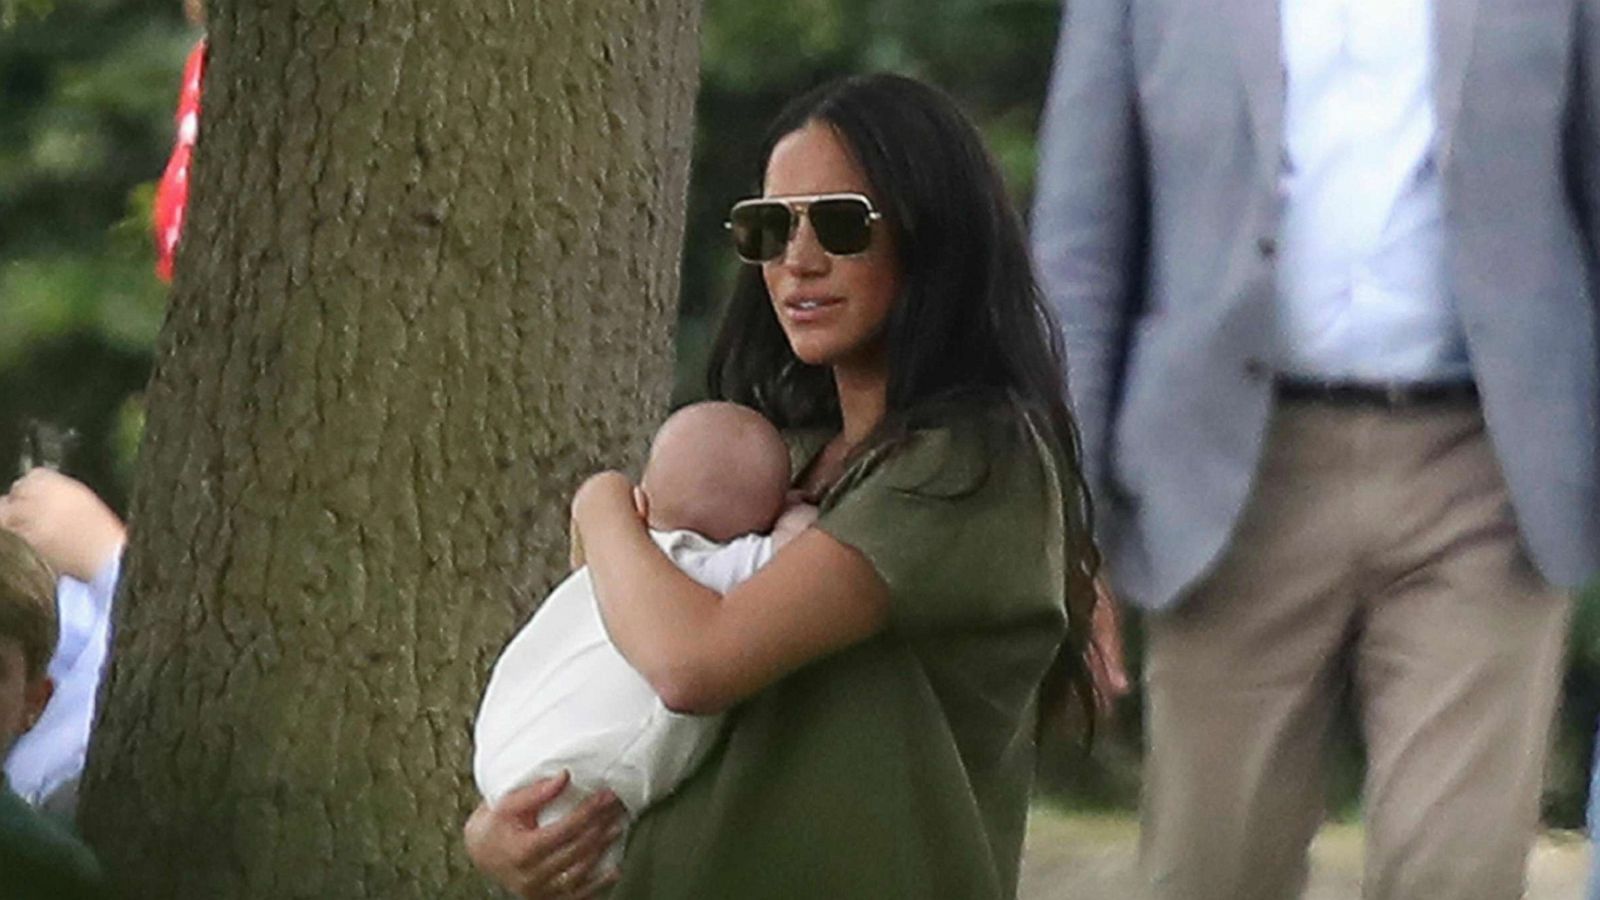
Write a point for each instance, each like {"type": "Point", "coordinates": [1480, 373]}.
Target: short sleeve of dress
{"type": "Point", "coordinates": [962, 522]}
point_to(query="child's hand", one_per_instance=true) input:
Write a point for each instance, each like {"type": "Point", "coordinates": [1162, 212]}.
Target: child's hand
{"type": "Point", "coordinates": [75, 532]}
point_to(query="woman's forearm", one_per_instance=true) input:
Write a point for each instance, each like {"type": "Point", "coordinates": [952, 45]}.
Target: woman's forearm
{"type": "Point", "coordinates": [658, 617]}
{"type": "Point", "coordinates": [702, 652]}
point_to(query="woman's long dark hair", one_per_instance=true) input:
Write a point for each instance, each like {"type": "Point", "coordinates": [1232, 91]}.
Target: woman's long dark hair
{"type": "Point", "coordinates": [970, 318]}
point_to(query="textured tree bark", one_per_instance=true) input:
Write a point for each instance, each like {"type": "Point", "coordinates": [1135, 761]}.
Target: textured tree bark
{"type": "Point", "coordinates": [426, 286]}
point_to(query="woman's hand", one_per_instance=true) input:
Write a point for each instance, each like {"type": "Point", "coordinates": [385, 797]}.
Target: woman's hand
{"type": "Point", "coordinates": [795, 519]}
{"type": "Point", "coordinates": [604, 494]}
{"type": "Point", "coordinates": [1107, 665]}
{"type": "Point", "coordinates": [554, 862]}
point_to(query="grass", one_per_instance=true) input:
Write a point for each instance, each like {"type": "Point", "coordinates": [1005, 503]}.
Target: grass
{"type": "Point", "coordinates": [1092, 856]}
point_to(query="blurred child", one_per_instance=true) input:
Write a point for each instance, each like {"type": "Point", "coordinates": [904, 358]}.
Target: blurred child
{"type": "Point", "coordinates": [81, 538]}
{"type": "Point", "coordinates": [39, 860]}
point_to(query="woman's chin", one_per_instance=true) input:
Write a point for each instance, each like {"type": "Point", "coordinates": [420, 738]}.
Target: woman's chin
{"type": "Point", "coordinates": [832, 354]}
{"type": "Point", "coordinates": [813, 353]}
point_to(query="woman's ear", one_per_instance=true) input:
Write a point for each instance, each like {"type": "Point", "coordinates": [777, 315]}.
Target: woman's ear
{"type": "Point", "coordinates": [641, 502]}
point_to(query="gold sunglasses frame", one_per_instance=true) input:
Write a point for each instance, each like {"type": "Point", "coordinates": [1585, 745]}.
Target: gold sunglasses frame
{"type": "Point", "coordinates": [799, 206]}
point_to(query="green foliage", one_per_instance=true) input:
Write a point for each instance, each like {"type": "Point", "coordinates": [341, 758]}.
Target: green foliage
{"type": "Point", "coordinates": [86, 100]}
{"type": "Point", "coordinates": [14, 11]}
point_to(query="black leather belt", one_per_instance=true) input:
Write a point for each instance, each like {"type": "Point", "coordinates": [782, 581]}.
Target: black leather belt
{"type": "Point", "coordinates": [1384, 395]}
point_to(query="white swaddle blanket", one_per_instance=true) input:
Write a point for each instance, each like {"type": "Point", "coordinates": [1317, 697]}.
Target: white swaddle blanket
{"type": "Point", "coordinates": [562, 697]}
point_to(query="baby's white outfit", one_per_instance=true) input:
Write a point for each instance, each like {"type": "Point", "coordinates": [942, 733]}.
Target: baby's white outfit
{"type": "Point", "coordinates": [562, 697]}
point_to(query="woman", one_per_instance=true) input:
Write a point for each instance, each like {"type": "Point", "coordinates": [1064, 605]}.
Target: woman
{"type": "Point", "coordinates": [883, 672]}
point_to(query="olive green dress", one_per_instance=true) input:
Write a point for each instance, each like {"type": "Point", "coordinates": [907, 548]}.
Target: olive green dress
{"type": "Point", "coordinates": [900, 767]}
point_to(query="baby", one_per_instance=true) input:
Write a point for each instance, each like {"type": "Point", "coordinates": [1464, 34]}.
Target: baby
{"type": "Point", "coordinates": [562, 698]}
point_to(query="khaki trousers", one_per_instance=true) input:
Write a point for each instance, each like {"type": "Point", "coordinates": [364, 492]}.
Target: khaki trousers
{"type": "Point", "coordinates": [1378, 557]}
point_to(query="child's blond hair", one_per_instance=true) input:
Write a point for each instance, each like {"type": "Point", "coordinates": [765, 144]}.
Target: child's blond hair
{"type": "Point", "coordinates": [27, 602]}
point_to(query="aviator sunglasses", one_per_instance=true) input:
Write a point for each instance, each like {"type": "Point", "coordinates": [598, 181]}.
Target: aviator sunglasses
{"type": "Point", "coordinates": [763, 226]}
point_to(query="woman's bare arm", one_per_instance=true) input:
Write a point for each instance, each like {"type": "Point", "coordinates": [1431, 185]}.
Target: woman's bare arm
{"type": "Point", "coordinates": [703, 653]}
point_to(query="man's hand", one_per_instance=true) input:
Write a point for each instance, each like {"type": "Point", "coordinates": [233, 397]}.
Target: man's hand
{"type": "Point", "coordinates": [66, 524]}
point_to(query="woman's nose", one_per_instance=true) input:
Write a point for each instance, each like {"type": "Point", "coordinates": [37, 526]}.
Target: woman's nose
{"type": "Point", "coordinates": [803, 253]}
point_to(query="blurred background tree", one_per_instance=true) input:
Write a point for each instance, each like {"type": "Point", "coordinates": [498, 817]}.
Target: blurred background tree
{"type": "Point", "coordinates": [86, 100]}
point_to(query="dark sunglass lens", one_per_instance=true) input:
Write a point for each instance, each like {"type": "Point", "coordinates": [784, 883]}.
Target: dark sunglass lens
{"type": "Point", "coordinates": [843, 225]}
{"type": "Point", "coordinates": [760, 231]}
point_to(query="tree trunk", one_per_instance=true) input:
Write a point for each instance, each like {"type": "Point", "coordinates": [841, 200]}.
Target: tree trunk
{"type": "Point", "coordinates": [427, 286]}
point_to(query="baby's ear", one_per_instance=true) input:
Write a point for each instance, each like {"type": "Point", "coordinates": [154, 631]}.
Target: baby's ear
{"type": "Point", "coordinates": [641, 502]}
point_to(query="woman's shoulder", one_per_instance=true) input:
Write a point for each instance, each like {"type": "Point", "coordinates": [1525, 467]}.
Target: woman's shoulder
{"type": "Point", "coordinates": [936, 512]}
{"type": "Point", "coordinates": [986, 413]}
{"type": "Point", "coordinates": [954, 448]}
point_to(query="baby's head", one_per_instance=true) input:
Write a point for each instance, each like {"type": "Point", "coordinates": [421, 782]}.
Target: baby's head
{"type": "Point", "coordinates": [27, 637]}
{"type": "Point", "coordinates": [718, 469]}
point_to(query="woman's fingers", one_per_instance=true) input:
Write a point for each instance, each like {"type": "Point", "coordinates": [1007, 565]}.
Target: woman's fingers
{"type": "Point", "coordinates": [503, 840]}
{"type": "Point", "coordinates": [595, 813]}
{"type": "Point", "coordinates": [1107, 665]}
{"type": "Point", "coordinates": [497, 843]}
{"type": "Point", "coordinates": [524, 803]}
{"type": "Point", "coordinates": [563, 855]}
{"type": "Point", "coordinates": [572, 862]}
{"type": "Point", "coordinates": [597, 884]}
{"type": "Point", "coordinates": [506, 842]}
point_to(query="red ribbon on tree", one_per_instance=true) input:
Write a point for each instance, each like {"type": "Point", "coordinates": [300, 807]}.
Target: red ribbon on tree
{"type": "Point", "coordinates": [172, 196]}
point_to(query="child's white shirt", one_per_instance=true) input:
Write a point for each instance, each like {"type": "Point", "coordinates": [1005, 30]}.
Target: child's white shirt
{"type": "Point", "coordinates": [46, 762]}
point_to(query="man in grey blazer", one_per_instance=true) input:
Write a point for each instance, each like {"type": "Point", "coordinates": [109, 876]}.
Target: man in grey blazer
{"type": "Point", "coordinates": [1325, 273]}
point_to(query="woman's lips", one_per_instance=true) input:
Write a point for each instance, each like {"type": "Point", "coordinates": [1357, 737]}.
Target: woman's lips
{"type": "Point", "coordinates": [801, 310]}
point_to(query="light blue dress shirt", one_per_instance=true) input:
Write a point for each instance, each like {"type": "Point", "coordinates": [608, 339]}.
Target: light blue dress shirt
{"type": "Point", "coordinates": [45, 763]}
{"type": "Point", "coordinates": [1362, 289]}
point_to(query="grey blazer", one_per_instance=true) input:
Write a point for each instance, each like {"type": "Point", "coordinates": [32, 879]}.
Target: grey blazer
{"type": "Point", "coordinates": [1155, 230]}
